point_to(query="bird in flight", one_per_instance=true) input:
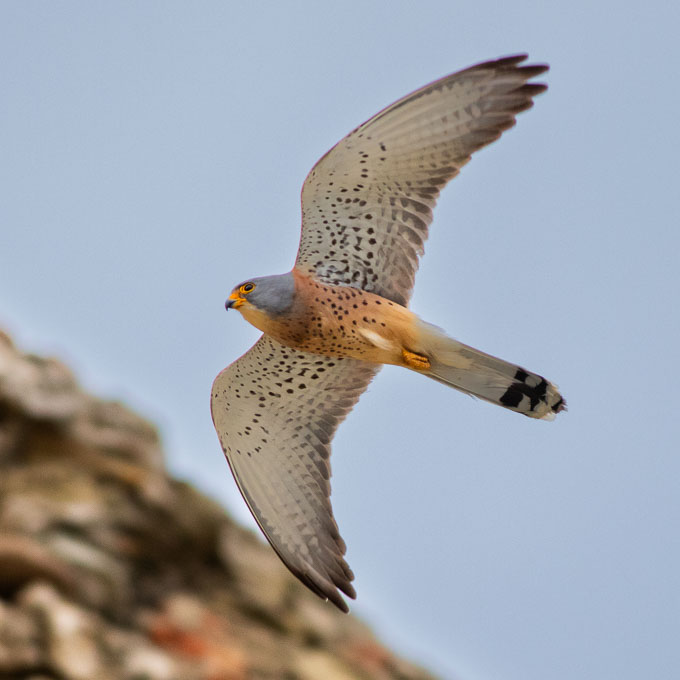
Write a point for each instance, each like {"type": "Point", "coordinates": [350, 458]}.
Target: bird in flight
{"type": "Point", "coordinates": [331, 322]}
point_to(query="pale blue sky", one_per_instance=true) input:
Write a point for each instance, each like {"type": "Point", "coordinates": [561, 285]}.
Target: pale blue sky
{"type": "Point", "coordinates": [151, 156]}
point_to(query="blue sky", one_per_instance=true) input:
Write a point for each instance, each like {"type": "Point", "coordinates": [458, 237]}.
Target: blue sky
{"type": "Point", "coordinates": [152, 157]}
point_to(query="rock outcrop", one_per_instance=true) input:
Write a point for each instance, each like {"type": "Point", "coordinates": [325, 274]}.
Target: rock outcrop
{"type": "Point", "coordinates": [110, 569]}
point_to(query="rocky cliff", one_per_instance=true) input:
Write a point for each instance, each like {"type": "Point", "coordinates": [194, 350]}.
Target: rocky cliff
{"type": "Point", "coordinates": [111, 569]}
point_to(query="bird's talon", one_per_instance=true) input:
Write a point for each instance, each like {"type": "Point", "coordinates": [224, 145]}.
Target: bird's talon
{"type": "Point", "coordinates": [416, 361]}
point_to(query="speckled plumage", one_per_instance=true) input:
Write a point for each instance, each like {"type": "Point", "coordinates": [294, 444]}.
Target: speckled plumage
{"type": "Point", "coordinates": [276, 410]}
{"type": "Point", "coordinates": [341, 313]}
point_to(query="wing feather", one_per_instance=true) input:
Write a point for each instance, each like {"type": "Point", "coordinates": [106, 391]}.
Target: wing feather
{"type": "Point", "coordinates": [367, 204]}
{"type": "Point", "coordinates": [276, 436]}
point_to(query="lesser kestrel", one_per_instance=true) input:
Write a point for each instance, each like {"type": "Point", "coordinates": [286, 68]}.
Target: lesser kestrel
{"type": "Point", "coordinates": [330, 323]}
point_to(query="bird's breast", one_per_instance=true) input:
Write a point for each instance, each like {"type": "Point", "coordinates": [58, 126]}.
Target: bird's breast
{"type": "Point", "coordinates": [341, 321]}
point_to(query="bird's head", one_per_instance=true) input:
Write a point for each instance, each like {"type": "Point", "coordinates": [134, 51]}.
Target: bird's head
{"type": "Point", "coordinates": [270, 295]}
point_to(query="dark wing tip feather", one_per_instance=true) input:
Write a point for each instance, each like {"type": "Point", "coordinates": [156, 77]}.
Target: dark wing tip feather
{"type": "Point", "coordinates": [325, 586]}
{"type": "Point", "coordinates": [510, 62]}
{"type": "Point", "coordinates": [532, 89]}
{"type": "Point", "coordinates": [533, 70]}
{"type": "Point", "coordinates": [507, 103]}
{"type": "Point", "coordinates": [326, 589]}
{"type": "Point", "coordinates": [513, 60]}
{"type": "Point", "coordinates": [527, 92]}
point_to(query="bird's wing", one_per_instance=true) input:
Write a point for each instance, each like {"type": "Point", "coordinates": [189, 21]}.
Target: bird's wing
{"type": "Point", "coordinates": [367, 204]}
{"type": "Point", "coordinates": [275, 410]}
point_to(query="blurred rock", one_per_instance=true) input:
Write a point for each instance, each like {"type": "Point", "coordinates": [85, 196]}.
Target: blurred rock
{"type": "Point", "coordinates": [110, 569]}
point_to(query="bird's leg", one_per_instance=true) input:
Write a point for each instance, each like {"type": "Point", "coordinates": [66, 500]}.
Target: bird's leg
{"type": "Point", "coordinates": [415, 361]}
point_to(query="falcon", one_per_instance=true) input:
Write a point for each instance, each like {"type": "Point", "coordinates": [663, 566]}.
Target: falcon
{"type": "Point", "coordinates": [342, 312]}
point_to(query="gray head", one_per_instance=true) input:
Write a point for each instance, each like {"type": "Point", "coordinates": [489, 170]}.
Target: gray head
{"type": "Point", "coordinates": [270, 294]}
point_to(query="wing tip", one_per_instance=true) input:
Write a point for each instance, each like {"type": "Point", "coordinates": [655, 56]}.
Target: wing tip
{"type": "Point", "coordinates": [327, 588]}
{"type": "Point", "coordinates": [514, 60]}
{"type": "Point", "coordinates": [511, 64]}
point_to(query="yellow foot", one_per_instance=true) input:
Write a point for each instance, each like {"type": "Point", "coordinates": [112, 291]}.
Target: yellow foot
{"type": "Point", "coordinates": [413, 360]}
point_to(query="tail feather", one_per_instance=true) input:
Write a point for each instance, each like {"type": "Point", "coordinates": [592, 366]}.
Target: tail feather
{"type": "Point", "coordinates": [487, 377]}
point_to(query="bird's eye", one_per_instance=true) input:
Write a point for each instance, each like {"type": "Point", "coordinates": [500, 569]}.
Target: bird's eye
{"type": "Point", "coordinates": [247, 287]}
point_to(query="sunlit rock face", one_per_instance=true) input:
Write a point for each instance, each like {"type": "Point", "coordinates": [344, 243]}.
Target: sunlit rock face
{"type": "Point", "coordinates": [110, 569]}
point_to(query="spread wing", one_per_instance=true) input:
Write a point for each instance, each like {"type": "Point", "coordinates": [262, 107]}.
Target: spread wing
{"type": "Point", "coordinates": [367, 204]}
{"type": "Point", "coordinates": [275, 410]}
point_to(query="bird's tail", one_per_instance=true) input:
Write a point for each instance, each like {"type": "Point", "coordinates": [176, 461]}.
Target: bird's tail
{"type": "Point", "coordinates": [484, 376]}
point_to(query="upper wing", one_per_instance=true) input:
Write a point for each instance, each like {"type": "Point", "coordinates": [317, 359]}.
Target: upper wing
{"type": "Point", "coordinates": [275, 410]}
{"type": "Point", "coordinates": [367, 204]}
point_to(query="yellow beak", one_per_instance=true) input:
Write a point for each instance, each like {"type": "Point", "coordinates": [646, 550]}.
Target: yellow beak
{"type": "Point", "coordinates": [234, 301]}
